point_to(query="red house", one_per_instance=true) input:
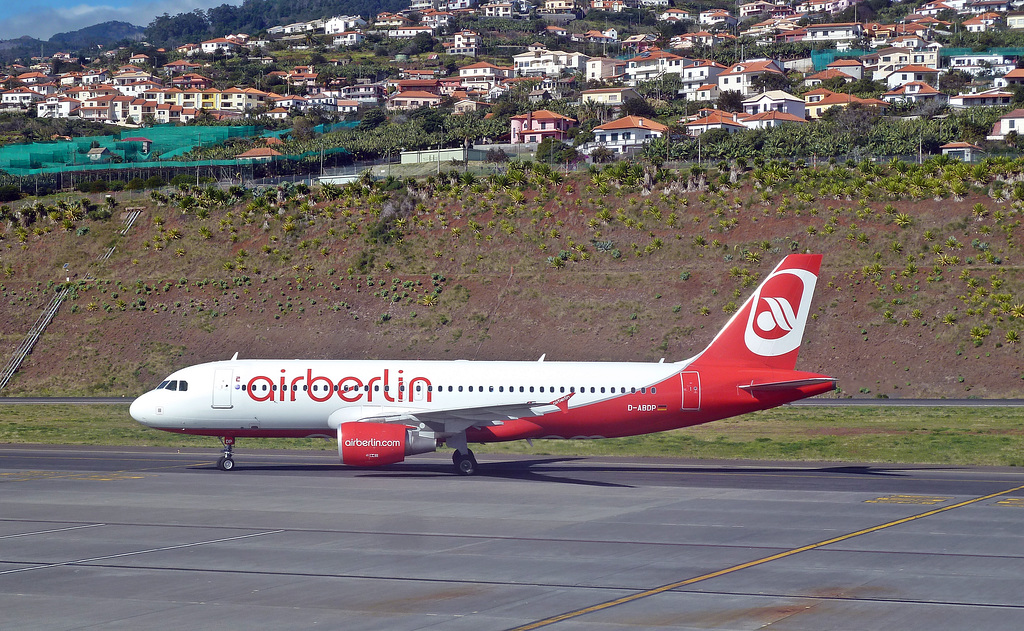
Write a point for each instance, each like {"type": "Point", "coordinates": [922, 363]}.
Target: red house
{"type": "Point", "coordinates": [536, 126]}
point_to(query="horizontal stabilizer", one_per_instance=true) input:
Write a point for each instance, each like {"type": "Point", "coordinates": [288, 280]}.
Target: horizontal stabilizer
{"type": "Point", "coordinates": [786, 385]}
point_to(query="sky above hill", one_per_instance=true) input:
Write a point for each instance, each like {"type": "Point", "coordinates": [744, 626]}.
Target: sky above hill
{"type": "Point", "coordinates": [43, 18]}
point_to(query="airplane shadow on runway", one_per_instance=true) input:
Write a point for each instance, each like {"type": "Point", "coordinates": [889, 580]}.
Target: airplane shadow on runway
{"type": "Point", "coordinates": [575, 470]}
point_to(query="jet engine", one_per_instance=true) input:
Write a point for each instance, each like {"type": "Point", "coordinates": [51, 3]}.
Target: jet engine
{"type": "Point", "coordinates": [377, 444]}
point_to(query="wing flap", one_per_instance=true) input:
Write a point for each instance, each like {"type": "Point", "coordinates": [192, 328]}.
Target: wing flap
{"type": "Point", "coordinates": [451, 420]}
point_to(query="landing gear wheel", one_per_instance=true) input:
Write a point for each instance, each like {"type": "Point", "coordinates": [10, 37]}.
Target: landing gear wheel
{"type": "Point", "coordinates": [226, 463]}
{"type": "Point", "coordinates": [465, 464]}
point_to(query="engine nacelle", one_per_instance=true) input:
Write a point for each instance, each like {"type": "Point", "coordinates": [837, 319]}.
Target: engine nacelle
{"type": "Point", "coordinates": [377, 444]}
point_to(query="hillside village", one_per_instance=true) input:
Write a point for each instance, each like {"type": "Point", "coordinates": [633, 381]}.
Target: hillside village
{"type": "Point", "coordinates": [572, 72]}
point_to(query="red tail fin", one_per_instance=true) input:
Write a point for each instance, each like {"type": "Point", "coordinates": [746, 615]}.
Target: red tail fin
{"type": "Point", "coordinates": [767, 330]}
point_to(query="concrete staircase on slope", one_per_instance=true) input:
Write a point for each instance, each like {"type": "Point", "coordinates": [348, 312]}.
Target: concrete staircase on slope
{"type": "Point", "coordinates": [33, 336]}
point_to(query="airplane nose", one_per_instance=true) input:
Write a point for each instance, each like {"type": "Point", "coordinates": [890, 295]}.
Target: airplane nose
{"type": "Point", "coordinates": [140, 410]}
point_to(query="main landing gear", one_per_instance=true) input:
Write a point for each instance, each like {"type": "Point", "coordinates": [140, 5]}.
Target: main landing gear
{"type": "Point", "coordinates": [226, 463]}
{"type": "Point", "coordinates": [465, 464]}
{"type": "Point", "coordinates": [463, 458]}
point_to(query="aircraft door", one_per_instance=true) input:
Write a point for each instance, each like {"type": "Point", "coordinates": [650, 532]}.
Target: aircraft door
{"type": "Point", "coordinates": [691, 390]}
{"type": "Point", "coordinates": [222, 388]}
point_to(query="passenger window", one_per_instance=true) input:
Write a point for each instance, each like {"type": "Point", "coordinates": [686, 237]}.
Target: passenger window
{"type": "Point", "coordinates": [602, 389]}
{"type": "Point", "coordinates": [653, 390]}
{"type": "Point", "coordinates": [172, 385]}
{"type": "Point", "coordinates": [471, 388]}
{"type": "Point", "coordinates": [182, 386]}
{"type": "Point", "coordinates": [376, 388]}
{"type": "Point", "coordinates": [523, 389]}
{"type": "Point", "coordinates": [490, 388]}
{"type": "Point", "coordinates": [592, 389]}
{"type": "Point", "coordinates": [264, 387]}
{"type": "Point", "coordinates": [643, 390]}
{"type": "Point", "coordinates": [501, 388]}
{"type": "Point", "coordinates": [460, 388]}
{"type": "Point", "coordinates": [561, 389]}
{"type": "Point", "coordinates": [531, 388]}
{"type": "Point", "coordinates": [632, 390]}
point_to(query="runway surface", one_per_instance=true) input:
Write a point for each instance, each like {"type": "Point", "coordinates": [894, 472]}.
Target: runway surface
{"type": "Point", "coordinates": [134, 538]}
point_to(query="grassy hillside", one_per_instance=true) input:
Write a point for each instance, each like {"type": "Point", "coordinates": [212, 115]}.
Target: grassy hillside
{"type": "Point", "coordinates": [921, 292]}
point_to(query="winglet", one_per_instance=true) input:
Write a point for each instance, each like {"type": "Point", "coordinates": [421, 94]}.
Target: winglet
{"type": "Point", "coordinates": [562, 403]}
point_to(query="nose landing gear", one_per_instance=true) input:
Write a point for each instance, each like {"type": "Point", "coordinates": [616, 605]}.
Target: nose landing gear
{"type": "Point", "coordinates": [226, 463]}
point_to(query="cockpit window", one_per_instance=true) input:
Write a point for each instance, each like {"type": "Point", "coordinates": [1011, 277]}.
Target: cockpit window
{"type": "Point", "coordinates": [172, 385]}
{"type": "Point", "coordinates": [182, 386]}
{"type": "Point", "coordinates": [163, 384]}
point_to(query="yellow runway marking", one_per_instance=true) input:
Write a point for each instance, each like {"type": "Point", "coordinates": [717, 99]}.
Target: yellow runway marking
{"type": "Point", "coordinates": [1016, 502]}
{"type": "Point", "coordinates": [29, 476]}
{"type": "Point", "coordinates": [909, 499]}
{"type": "Point", "coordinates": [775, 557]}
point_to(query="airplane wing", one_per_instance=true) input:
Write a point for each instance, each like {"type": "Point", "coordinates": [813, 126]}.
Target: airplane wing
{"type": "Point", "coordinates": [452, 420]}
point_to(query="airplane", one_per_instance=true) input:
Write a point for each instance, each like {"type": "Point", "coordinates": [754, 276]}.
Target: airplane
{"type": "Point", "coordinates": [381, 411]}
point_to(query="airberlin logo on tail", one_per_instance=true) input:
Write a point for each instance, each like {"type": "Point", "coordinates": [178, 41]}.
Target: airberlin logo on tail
{"type": "Point", "coordinates": [778, 313]}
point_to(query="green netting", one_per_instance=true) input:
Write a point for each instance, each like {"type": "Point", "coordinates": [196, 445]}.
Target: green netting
{"type": "Point", "coordinates": [128, 149]}
{"type": "Point", "coordinates": [822, 58]}
{"type": "Point", "coordinates": [166, 141]}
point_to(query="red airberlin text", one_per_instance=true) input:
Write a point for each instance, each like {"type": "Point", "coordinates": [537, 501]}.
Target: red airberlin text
{"type": "Point", "coordinates": [348, 389]}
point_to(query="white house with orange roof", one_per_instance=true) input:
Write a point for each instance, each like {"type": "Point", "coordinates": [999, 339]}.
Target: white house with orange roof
{"type": "Point", "coordinates": [626, 134]}
{"type": "Point", "coordinates": [675, 15]}
{"type": "Point", "coordinates": [836, 32]}
{"type": "Point", "coordinates": [914, 92]}
{"type": "Point", "coordinates": [497, 10]}
{"type": "Point", "coordinates": [222, 44]}
{"type": "Point", "coordinates": [465, 42]}
{"type": "Point", "coordinates": [850, 67]}
{"type": "Point", "coordinates": [483, 75]}
{"type": "Point", "coordinates": [719, 18]}
{"type": "Point", "coordinates": [906, 74]}
{"type": "Point", "coordinates": [412, 100]}
{"type": "Point", "coordinates": [601, 68]}
{"type": "Point", "coordinates": [613, 97]}
{"type": "Point", "coordinates": [729, 121]}
{"type": "Point", "coordinates": [653, 64]}
{"type": "Point", "coordinates": [983, 22]}
{"type": "Point", "coordinates": [409, 32]}
{"type": "Point", "coordinates": [775, 101]}
{"type": "Point", "coordinates": [57, 106]}
{"type": "Point", "coordinates": [994, 97]}
{"type": "Point", "coordinates": [342, 23]}
{"type": "Point", "coordinates": [1014, 77]}
{"type": "Point", "coordinates": [700, 73]}
{"type": "Point", "coordinates": [547, 63]}
{"type": "Point", "coordinates": [766, 120]}
{"type": "Point", "coordinates": [1011, 122]}
{"type": "Point", "coordinates": [537, 126]}
{"type": "Point", "coordinates": [21, 96]}
{"type": "Point", "coordinates": [741, 77]}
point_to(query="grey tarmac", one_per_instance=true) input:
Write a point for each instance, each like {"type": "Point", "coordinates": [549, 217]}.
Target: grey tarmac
{"type": "Point", "coordinates": [148, 538]}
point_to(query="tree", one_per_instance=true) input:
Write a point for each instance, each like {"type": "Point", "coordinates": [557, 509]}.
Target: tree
{"type": "Point", "coordinates": [768, 81]}
{"type": "Point", "coordinates": [602, 154]}
{"type": "Point", "coordinates": [730, 101]}
{"type": "Point", "coordinates": [372, 118]}
{"type": "Point", "coordinates": [638, 107]}
{"type": "Point", "coordinates": [954, 82]}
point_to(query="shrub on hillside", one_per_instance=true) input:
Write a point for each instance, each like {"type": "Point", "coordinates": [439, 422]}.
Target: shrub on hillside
{"type": "Point", "coordinates": [9, 193]}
